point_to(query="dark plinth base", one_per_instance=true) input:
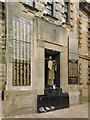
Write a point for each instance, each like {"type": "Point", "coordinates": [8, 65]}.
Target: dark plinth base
{"type": "Point", "coordinates": [2, 95]}
{"type": "Point", "coordinates": [52, 102]}
{"type": "Point", "coordinates": [51, 91]}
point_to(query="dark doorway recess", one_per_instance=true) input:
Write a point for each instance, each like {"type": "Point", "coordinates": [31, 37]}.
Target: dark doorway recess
{"type": "Point", "coordinates": [55, 56]}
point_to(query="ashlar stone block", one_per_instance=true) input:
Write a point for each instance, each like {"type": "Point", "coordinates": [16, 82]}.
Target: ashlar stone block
{"type": "Point", "coordinates": [39, 5]}
{"type": "Point", "coordinates": [58, 15]}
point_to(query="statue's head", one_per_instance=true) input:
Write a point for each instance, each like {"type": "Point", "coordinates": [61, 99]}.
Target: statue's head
{"type": "Point", "coordinates": [50, 57]}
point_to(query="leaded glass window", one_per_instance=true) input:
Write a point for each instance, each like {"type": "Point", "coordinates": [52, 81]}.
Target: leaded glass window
{"type": "Point", "coordinates": [21, 54]}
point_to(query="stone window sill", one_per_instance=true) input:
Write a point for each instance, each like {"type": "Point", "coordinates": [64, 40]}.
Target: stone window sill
{"type": "Point", "coordinates": [50, 16]}
{"type": "Point", "coordinates": [67, 25]}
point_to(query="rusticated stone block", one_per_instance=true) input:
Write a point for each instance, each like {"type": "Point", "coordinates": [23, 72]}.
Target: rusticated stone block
{"type": "Point", "coordinates": [58, 15]}
{"type": "Point", "coordinates": [39, 5]}
{"type": "Point", "coordinates": [58, 7]}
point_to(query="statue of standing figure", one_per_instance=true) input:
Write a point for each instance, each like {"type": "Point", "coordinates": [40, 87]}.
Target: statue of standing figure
{"type": "Point", "coordinates": [52, 67]}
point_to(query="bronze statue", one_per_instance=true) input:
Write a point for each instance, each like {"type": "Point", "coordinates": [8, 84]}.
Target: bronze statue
{"type": "Point", "coordinates": [52, 67]}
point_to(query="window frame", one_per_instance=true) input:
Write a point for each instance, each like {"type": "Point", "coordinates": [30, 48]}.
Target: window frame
{"type": "Point", "coordinates": [50, 4]}
{"type": "Point", "coordinates": [33, 3]}
{"type": "Point", "coordinates": [89, 37]}
{"type": "Point", "coordinates": [21, 65]}
{"type": "Point", "coordinates": [66, 11]}
{"type": "Point", "coordinates": [72, 69]}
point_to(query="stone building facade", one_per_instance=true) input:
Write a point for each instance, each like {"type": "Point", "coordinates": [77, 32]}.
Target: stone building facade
{"type": "Point", "coordinates": [35, 31]}
{"type": "Point", "coordinates": [84, 48]}
{"type": "Point", "coordinates": [2, 47]}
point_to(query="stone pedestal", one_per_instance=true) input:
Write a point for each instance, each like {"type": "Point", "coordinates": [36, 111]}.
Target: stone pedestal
{"type": "Point", "coordinates": [74, 97]}
{"type": "Point", "coordinates": [49, 91]}
{"type": "Point", "coordinates": [57, 101]}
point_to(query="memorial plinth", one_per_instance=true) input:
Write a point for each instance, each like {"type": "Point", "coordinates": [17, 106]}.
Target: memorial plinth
{"type": "Point", "coordinates": [52, 99]}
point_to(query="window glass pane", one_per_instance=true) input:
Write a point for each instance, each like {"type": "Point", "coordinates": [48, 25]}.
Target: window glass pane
{"type": "Point", "coordinates": [66, 5]}
{"type": "Point", "coordinates": [14, 30]}
{"type": "Point", "coordinates": [30, 2]}
{"type": "Point", "coordinates": [50, 1]}
{"type": "Point", "coordinates": [66, 11]}
{"type": "Point", "coordinates": [49, 7]}
{"type": "Point", "coordinates": [89, 33]}
{"type": "Point", "coordinates": [65, 17]}
{"type": "Point", "coordinates": [49, 12]}
{"type": "Point", "coordinates": [14, 50]}
{"type": "Point", "coordinates": [18, 51]}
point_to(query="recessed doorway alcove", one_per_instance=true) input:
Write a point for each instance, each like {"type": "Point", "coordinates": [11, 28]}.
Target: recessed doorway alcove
{"type": "Point", "coordinates": [55, 56]}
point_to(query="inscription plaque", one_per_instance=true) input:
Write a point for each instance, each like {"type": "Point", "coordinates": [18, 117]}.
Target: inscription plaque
{"type": "Point", "coordinates": [73, 72]}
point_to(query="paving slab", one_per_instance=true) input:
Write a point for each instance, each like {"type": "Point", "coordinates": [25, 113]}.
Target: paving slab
{"type": "Point", "coordinates": [75, 111]}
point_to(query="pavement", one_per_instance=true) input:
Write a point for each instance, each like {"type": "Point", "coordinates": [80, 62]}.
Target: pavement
{"type": "Point", "coordinates": [75, 111]}
{"type": "Point", "coordinates": [0, 108]}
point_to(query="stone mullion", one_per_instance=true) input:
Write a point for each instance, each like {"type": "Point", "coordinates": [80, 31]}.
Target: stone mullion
{"type": "Point", "coordinates": [25, 81]}
{"type": "Point", "coordinates": [40, 5]}
{"type": "Point", "coordinates": [59, 11]}
{"type": "Point", "coordinates": [20, 53]}
{"type": "Point", "coordinates": [29, 53]}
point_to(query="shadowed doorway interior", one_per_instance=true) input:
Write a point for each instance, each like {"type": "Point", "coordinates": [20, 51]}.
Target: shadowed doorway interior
{"type": "Point", "coordinates": [55, 56]}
